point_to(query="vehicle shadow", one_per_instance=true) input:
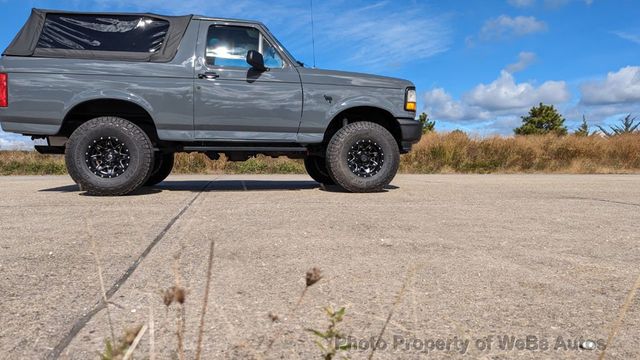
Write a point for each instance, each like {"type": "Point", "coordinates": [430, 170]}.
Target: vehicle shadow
{"type": "Point", "coordinates": [221, 185]}
{"type": "Point", "coordinates": [234, 185]}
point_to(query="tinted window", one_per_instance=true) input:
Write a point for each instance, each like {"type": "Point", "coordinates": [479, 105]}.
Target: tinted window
{"type": "Point", "coordinates": [130, 33]}
{"type": "Point", "coordinates": [228, 46]}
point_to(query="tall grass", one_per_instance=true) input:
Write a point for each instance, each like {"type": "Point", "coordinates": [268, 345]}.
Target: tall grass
{"type": "Point", "coordinates": [200, 164]}
{"type": "Point", "coordinates": [30, 163]}
{"type": "Point", "coordinates": [454, 152]}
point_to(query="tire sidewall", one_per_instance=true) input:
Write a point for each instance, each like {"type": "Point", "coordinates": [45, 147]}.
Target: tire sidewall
{"type": "Point", "coordinates": [140, 163]}
{"type": "Point", "coordinates": [316, 167]}
{"type": "Point", "coordinates": [163, 165]}
{"type": "Point", "coordinates": [158, 163]}
{"type": "Point", "coordinates": [342, 142]}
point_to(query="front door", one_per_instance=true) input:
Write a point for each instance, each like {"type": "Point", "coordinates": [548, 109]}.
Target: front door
{"type": "Point", "coordinates": [236, 103]}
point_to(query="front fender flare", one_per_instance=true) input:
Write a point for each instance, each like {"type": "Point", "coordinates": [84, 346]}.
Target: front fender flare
{"type": "Point", "coordinates": [358, 101]}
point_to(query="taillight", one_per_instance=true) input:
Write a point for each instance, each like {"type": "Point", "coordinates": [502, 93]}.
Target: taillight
{"type": "Point", "coordinates": [4, 91]}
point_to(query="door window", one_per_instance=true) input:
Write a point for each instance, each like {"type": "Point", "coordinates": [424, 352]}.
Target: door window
{"type": "Point", "coordinates": [228, 46]}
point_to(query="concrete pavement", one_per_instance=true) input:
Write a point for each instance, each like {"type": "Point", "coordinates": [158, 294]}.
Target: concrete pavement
{"type": "Point", "coordinates": [548, 257]}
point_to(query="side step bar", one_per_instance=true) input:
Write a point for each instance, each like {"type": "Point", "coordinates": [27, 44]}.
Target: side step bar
{"type": "Point", "coordinates": [44, 149]}
{"type": "Point", "coordinates": [258, 149]}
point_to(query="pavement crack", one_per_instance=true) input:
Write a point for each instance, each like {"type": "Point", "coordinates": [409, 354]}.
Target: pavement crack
{"type": "Point", "coordinates": [84, 320]}
{"type": "Point", "coordinates": [603, 200]}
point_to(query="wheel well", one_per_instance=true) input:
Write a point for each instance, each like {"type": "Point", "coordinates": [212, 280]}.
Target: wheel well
{"type": "Point", "coordinates": [92, 109]}
{"type": "Point", "coordinates": [364, 113]}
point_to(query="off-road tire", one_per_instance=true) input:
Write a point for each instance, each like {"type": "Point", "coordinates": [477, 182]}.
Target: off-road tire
{"type": "Point", "coordinates": [317, 168]}
{"type": "Point", "coordinates": [345, 140]}
{"type": "Point", "coordinates": [162, 166]}
{"type": "Point", "coordinates": [137, 143]}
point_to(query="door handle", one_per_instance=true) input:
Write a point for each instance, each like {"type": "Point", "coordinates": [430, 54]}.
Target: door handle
{"type": "Point", "coordinates": [208, 76]}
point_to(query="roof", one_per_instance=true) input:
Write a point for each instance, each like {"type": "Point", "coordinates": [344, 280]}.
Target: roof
{"type": "Point", "coordinates": [26, 41]}
{"type": "Point", "coordinates": [209, 18]}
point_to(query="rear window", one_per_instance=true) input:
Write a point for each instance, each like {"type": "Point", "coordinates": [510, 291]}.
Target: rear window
{"type": "Point", "coordinates": [127, 33]}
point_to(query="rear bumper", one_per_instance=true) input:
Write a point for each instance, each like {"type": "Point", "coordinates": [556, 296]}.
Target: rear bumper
{"type": "Point", "coordinates": [411, 130]}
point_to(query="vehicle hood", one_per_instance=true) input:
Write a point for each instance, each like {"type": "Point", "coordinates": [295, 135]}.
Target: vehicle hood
{"type": "Point", "coordinates": [344, 78]}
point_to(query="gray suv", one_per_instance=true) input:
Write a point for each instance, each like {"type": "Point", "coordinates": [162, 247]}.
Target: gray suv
{"type": "Point", "coordinates": [120, 93]}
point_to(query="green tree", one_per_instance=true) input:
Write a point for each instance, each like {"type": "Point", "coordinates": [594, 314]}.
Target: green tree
{"type": "Point", "coordinates": [427, 125]}
{"type": "Point", "coordinates": [583, 130]}
{"type": "Point", "coordinates": [542, 119]}
{"type": "Point", "coordinates": [628, 126]}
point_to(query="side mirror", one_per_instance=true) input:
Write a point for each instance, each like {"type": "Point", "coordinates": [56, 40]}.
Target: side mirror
{"type": "Point", "coordinates": [256, 60]}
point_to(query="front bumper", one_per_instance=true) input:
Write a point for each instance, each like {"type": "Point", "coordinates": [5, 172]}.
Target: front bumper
{"type": "Point", "coordinates": [411, 130]}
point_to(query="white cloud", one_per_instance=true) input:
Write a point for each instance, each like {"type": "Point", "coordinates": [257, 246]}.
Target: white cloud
{"type": "Point", "coordinates": [521, 3]}
{"type": "Point", "coordinates": [14, 142]}
{"type": "Point", "coordinates": [555, 3]}
{"type": "Point", "coordinates": [547, 3]}
{"type": "Point", "coordinates": [451, 114]}
{"type": "Point", "coordinates": [441, 105]}
{"type": "Point", "coordinates": [505, 26]}
{"type": "Point", "coordinates": [525, 59]}
{"type": "Point", "coordinates": [495, 107]}
{"type": "Point", "coordinates": [599, 114]}
{"type": "Point", "coordinates": [609, 98]}
{"type": "Point", "coordinates": [504, 94]}
{"type": "Point", "coordinates": [618, 87]}
{"type": "Point", "coordinates": [635, 38]}
{"type": "Point", "coordinates": [559, 3]}
{"type": "Point", "coordinates": [487, 117]}
{"type": "Point", "coordinates": [382, 37]}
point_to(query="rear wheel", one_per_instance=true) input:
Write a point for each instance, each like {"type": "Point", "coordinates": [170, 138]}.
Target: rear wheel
{"type": "Point", "coordinates": [363, 157]}
{"type": "Point", "coordinates": [162, 166]}
{"type": "Point", "coordinates": [317, 168]}
{"type": "Point", "coordinates": [109, 156]}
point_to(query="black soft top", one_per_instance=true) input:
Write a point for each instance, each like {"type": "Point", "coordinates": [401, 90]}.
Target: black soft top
{"type": "Point", "coordinates": [30, 42]}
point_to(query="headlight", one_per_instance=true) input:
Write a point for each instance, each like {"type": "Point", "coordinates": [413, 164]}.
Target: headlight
{"type": "Point", "coordinates": [410, 100]}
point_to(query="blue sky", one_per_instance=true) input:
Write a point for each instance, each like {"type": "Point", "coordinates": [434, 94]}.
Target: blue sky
{"type": "Point", "coordinates": [478, 64]}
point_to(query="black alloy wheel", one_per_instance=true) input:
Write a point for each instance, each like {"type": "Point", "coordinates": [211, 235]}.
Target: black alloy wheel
{"type": "Point", "coordinates": [107, 157]}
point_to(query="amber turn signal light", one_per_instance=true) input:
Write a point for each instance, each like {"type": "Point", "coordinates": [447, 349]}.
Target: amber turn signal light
{"type": "Point", "coordinates": [410, 100]}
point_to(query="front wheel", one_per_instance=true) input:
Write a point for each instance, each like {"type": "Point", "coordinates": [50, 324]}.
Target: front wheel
{"type": "Point", "coordinates": [363, 157]}
{"type": "Point", "coordinates": [109, 156]}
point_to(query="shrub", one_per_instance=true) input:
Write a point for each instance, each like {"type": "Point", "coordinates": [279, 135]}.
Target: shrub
{"type": "Point", "coordinates": [628, 125]}
{"type": "Point", "coordinates": [542, 119]}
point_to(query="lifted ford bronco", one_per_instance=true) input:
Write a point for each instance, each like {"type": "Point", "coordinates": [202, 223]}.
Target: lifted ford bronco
{"type": "Point", "coordinates": [119, 94]}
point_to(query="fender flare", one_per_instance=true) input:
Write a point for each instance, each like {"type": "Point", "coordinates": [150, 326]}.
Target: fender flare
{"type": "Point", "coordinates": [106, 94]}
{"type": "Point", "coordinates": [355, 102]}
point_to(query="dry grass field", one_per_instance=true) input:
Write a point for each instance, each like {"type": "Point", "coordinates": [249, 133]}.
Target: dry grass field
{"type": "Point", "coordinates": [454, 152]}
